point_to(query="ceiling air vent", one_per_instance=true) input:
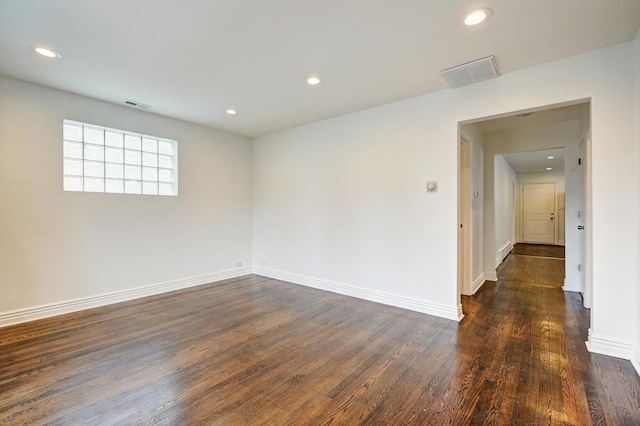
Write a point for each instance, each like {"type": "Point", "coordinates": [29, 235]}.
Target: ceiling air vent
{"type": "Point", "coordinates": [136, 104]}
{"type": "Point", "coordinates": [472, 72]}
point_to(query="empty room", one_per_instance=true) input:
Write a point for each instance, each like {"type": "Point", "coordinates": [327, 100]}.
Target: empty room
{"type": "Point", "coordinates": [296, 213]}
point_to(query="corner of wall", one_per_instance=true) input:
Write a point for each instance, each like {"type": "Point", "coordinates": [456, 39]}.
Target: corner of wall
{"type": "Point", "coordinates": [636, 360]}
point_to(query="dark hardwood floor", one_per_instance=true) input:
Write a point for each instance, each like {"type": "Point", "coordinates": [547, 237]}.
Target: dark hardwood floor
{"type": "Point", "coordinates": [256, 351]}
{"type": "Point", "coordinates": [543, 250]}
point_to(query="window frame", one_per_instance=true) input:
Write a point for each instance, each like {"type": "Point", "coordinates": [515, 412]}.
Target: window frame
{"type": "Point", "coordinates": [106, 160]}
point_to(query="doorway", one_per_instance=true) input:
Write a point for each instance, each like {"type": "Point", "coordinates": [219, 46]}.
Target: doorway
{"type": "Point", "coordinates": [546, 128]}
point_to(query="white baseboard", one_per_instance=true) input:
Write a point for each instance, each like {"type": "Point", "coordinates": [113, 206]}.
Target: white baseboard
{"type": "Point", "coordinates": [636, 361]}
{"type": "Point", "coordinates": [68, 306]}
{"type": "Point", "coordinates": [419, 305]}
{"type": "Point", "coordinates": [491, 276]}
{"type": "Point", "coordinates": [477, 283]}
{"type": "Point", "coordinates": [569, 286]}
{"type": "Point", "coordinates": [505, 250]}
{"type": "Point", "coordinates": [503, 253]}
{"type": "Point", "coordinates": [610, 346]}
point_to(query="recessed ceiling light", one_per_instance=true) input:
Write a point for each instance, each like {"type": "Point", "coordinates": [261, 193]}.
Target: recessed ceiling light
{"type": "Point", "coordinates": [43, 51]}
{"type": "Point", "coordinates": [551, 157]}
{"type": "Point", "coordinates": [231, 111]}
{"type": "Point", "coordinates": [549, 168]}
{"type": "Point", "coordinates": [476, 16]}
{"type": "Point", "coordinates": [313, 80]}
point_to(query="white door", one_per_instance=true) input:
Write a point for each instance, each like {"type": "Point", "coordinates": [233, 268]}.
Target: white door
{"type": "Point", "coordinates": [538, 207]}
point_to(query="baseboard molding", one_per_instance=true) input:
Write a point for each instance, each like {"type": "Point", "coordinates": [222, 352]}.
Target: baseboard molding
{"type": "Point", "coordinates": [569, 286]}
{"type": "Point", "coordinates": [505, 250]}
{"type": "Point", "coordinates": [477, 283]}
{"type": "Point", "coordinates": [80, 304]}
{"type": "Point", "coordinates": [610, 346]}
{"type": "Point", "coordinates": [491, 276]}
{"type": "Point", "coordinates": [419, 305]}
{"type": "Point", "coordinates": [636, 361]}
{"type": "Point", "coordinates": [503, 253]}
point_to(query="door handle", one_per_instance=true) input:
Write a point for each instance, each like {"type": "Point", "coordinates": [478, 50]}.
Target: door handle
{"type": "Point", "coordinates": [580, 227]}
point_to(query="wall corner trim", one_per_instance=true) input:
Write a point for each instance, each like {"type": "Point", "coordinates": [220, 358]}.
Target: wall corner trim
{"type": "Point", "coordinates": [80, 304]}
{"type": "Point", "coordinates": [418, 305]}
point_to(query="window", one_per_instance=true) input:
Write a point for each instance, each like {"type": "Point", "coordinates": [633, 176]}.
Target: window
{"type": "Point", "coordinates": [99, 159]}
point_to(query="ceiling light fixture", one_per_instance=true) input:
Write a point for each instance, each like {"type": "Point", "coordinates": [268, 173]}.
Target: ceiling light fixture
{"type": "Point", "coordinates": [231, 111]}
{"type": "Point", "coordinates": [476, 16]}
{"type": "Point", "coordinates": [43, 51]}
{"type": "Point", "coordinates": [551, 157]}
{"type": "Point", "coordinates": [313, 80]}
{"type": "Point", "coordinates": [549, 168]}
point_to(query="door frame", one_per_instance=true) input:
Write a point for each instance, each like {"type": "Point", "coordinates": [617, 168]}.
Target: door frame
{"type": "Point", "coordinates": [465, 250]}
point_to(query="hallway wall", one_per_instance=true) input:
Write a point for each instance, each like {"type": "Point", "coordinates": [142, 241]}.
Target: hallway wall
{"type": "Point", "coordinates": [504, 179]}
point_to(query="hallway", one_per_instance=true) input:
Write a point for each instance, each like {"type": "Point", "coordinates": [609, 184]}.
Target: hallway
{"type": "Point", "coordinates": [538, 370]}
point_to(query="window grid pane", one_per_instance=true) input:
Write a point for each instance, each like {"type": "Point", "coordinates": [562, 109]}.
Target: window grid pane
{"type": "Point", "coordinates": [98, 159]}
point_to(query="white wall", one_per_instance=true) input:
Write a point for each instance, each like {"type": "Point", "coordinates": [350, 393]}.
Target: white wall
{"type": "Point", "coordinates": [58, 246]}
{"type": "Point", "coordinates": [342, 202]}
{"type": "Point", "coordinates": [504, 180]}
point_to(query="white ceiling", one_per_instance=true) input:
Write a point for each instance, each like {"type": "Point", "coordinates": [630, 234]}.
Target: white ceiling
{"type": "Point", "coordinates": [536, 161]}
{"type": "Point", "coordinates": [193, 59]}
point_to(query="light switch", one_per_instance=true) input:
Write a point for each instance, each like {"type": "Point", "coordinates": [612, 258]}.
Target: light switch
{"type": "Point", "coordinates": [432, 186]}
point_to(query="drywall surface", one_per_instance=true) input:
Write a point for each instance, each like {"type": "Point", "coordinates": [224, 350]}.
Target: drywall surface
{"type": "Point", "coordinates": [57, 246]}
{"type": "Point", "coordinates": [504, 212]}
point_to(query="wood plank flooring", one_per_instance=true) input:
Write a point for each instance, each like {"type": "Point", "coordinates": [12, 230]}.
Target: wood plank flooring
{"type": "Point", "coordinates": [257, 351]}
{"type": "Point", "coordinates": [543, 250]}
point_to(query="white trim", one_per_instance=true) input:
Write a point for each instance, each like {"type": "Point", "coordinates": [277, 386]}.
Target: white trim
{"type": "Point", "coordinates": [610, 346]}
{"type": "Point", "coordinates": [477, 284]}
{"type": "Point", "coordinates": [505, 250]}
{"type": "Point", "coordinates": [68, 306]}
{"type": "Point", "coordinates": [491, 276]}
{"type": "Point", "coordinates": [419, 305]}
{"type": "Point", "coordinates": [569, 286]}
{"type": "Point", "coordinates": [636, 361]}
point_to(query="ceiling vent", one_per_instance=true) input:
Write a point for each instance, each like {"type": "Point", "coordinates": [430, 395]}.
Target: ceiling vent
{"type": "Point", "coordinates": [136, 104]}
{"type": "Point", "coordinates": [472, 72]}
